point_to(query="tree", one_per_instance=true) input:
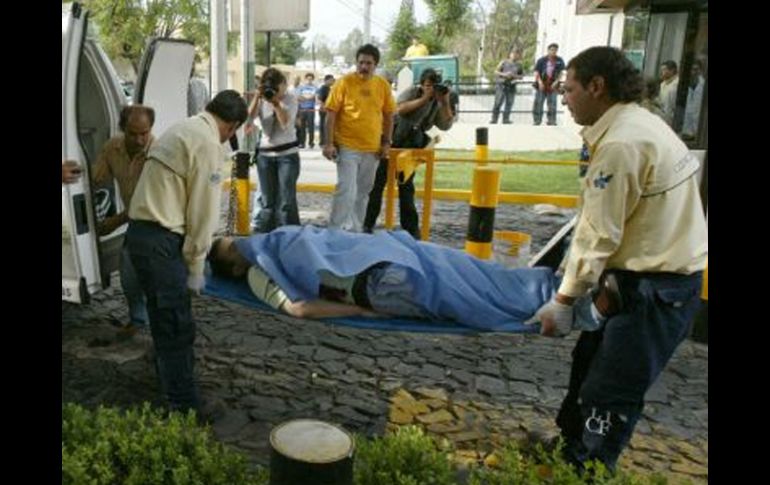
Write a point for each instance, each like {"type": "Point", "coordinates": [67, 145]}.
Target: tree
{"type": "Point", "coordinates": [512, 24]}
{"type": "Point", "coordinates": [404, 28]}
{"type": "Point", "coordinates": [323, 49]}
{"type": "Point", "coordinates": [285, 47]}
{"type": "Point", "coordinates": [350, 45]}
{"type": "Point", "coordinates": [125, 26]}
{"type": "Point", "coordinates": [448, 17]}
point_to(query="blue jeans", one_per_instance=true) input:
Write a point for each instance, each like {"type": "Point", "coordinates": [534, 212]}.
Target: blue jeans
{"type": "Point", "coordinates": [137, 303]}
{"type": "Point", "coordinates": [306, 127]}
{"type": "Point", "coordinates": [537, 108]}
{"type": "Point", "coordinates": [507, 93]}
{"type": "Point", "coordinates": [613, 367]}
{"type": "Point", "coordinates": [156, 254]}
{"type": "Point", "coordinates": [392, 293]}
{"type": "Point", "coordinates": [278, 186]}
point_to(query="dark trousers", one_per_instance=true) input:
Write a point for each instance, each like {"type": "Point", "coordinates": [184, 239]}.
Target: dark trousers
{"type": "Point", "coordinates": [306, 127]}
{"type": "Point", "coordinates": [505, 93]}
{"type": "Point", "coordinates": [407, 209]}
{"type": "Point", "coordinates": [156, 254]}
{"type": "Point", "coordinates": [537, 108]}
{"type": "Point", "coordinates": [322, 127]}
{"type": "Point", "coordinates": [613, 368]}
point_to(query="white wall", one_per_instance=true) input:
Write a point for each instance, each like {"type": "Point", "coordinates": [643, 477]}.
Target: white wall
{"type": "Point", "coordinates": [558, 22]}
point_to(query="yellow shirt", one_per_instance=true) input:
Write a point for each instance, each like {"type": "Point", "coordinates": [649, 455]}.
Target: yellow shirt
{"type": "Point", "coordinates": [419, 50]}
{"type": "Point", "coordinates": [361, 106]}
{"type": "Point", "coordinates": [181, 184]}
{"type": "Point", "coordinates": [641, 204]}
{"type": "Point", "coordinates": [114, 162]}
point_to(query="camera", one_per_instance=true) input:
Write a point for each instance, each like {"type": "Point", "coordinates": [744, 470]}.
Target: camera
{"type": "Point", "coordinates": [268, 91]}
{"type": "Point", "coordinates": [441, 89]}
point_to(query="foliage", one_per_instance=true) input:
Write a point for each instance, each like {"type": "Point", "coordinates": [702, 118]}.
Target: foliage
{"type": "Point", "coordinates": [140, 446]}
{"type": "Point", "coordinates": [285, 47]}
{"type": "Point", "coordinates": [408, 457]}
{"type": "Point", "coordinates": [125, 26]}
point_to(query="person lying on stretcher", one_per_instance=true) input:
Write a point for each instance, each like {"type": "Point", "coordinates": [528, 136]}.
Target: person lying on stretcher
{"type": "Point", "coordinates": [311, 272]}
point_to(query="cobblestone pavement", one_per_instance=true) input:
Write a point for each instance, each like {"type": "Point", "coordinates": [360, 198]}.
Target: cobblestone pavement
{"type": "Point", "coordinates": [476, 391]}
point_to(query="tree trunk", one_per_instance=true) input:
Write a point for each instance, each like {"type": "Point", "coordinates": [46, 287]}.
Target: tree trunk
{"type": "Point", "coordinates": [305, 451]}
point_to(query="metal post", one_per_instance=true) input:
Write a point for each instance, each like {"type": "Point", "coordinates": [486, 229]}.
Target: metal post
{"type": "Point", "coordinates": [482, 148]}
{"type": "Point", "coordinates": [218, 47]}
{"type": "Point", "coordinates": [390, 191]}
{"type": "Point", "coordinates": [427, 196]}
{"type": "Point", "coordinates": [243, 192]}
{"type": "Point", "coordinates": [486, 186]}
{"type": "Point", "coordinates": [367, 21]}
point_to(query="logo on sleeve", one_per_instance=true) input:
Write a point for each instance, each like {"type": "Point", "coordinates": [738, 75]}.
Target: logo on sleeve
{"type": "Point", "coordinates": [601, 181]}
{"type": "Point", "coordinates": [216, 178]}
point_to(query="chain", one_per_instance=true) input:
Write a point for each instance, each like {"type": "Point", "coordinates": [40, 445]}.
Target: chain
{"type": "Point", "coordinates": [233, 203]}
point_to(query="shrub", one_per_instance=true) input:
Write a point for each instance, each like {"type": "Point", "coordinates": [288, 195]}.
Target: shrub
{"type": "Point", "coordinates": [541, 467]}
{"type": "Point", "coordinates": [141, 446]}
{"type": "Point", "coordinates": [407, 457]}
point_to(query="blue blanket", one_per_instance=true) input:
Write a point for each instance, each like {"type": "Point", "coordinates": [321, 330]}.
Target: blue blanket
{"type": "Point", "coordinates": [446, 283]}
{"type": "Point", "coordinates": [238, 291]}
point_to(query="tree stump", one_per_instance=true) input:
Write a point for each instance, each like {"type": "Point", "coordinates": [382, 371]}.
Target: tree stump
{"type": "Point", "coordinates": [310, 452]}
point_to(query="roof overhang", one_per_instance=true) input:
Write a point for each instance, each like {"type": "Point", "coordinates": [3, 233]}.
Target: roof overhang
{"type": "Point", "coordinates": [586, 7]}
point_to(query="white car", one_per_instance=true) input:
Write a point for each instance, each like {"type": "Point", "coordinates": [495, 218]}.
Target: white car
{"type": "Point", "coordinates": [92, 97]}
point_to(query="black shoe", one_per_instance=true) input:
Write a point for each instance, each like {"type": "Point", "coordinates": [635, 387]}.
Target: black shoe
{"type": "Point", "coordinates": [492, 122]}
{"type": "Point", "coordinates": [507, 122]}
{"type": "Point", "coordinates": [301, 146]}
{"type": "Point", "coordinates": [312, 146]}
{"type": "Point", "coordinates": [368, 230]}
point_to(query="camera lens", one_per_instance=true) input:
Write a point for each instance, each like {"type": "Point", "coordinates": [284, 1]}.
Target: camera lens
{"type": "Point", "coordinates": [268, 92]}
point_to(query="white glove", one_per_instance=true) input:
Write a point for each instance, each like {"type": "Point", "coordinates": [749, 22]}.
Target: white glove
{"type": "Point", "coordinates": [555, 319]}
{"type": "Point", "coordinates": [195, 283]}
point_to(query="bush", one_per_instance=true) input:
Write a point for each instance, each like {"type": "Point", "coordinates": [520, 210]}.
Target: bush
{"type": "Point", "coordinates": [408, 457]}
{"type": "Point", "coordinates": [141, 446]}
{"type": "Point", "coordinates": [549, 468]}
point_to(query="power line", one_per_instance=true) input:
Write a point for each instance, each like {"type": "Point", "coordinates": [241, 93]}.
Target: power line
{"type": "Point", "coordinates": [359, 11]}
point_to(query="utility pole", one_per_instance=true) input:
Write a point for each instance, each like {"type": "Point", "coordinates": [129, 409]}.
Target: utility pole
{"type": "Point", "coordinates": [482, 43]}
{"type": "Point", "coordinates": [218, 47]}
{"type": "Point", "coordinates": [367, 21]}
{"type": "Point", "coordinates": [247, 59]}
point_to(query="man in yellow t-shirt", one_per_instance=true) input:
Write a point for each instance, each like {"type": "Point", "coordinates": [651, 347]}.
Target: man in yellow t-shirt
{"type": "Point", "coordinates": [417, 49]}
{"type": "Point", "coordinates": [359, 122]}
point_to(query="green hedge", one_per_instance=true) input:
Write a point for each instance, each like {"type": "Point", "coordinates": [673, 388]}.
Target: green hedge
{"type": "Point", "coordinates": [142, 446]}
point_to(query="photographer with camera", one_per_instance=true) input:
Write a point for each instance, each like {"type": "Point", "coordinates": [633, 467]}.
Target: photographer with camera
{"type": "Point", "coordinates": [418, 109]}
{"type": "Point", "coordinates": [506, 74]}
{"type": "Point", "coordinates": [277, 155]}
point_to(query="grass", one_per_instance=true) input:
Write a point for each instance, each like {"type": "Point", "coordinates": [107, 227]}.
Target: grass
{"type": "Point", "coordinates": [514, 178]}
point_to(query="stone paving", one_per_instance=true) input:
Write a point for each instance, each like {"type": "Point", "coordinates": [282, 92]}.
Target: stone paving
{"type": "Point", "coordinates": [476, 391]}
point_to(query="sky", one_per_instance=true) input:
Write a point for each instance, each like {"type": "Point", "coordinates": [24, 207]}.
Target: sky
{"type": "Point", "coordinates": [336, 18]}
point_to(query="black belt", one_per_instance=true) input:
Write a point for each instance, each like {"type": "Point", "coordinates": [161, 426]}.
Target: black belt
{"type": "Point", "coordinates": [279, 148]}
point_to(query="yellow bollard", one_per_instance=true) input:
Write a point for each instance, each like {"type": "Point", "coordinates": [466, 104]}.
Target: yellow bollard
{"type": "Point", "coordinates": [704, 294]}
{"type": "Point", "coordinates": [427, 199]}
{"type": "Point", "coordinates": [390, 189]}
{"type": "Point", "coordinates": [242, 189]}
{"type": "Point", "coordinates": [482, 145]}
{"type": "Point", "coordinates": [486, 186]}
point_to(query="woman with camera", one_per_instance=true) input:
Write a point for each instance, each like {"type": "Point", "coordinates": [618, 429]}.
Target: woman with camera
{"type": "Point", "coordinates": [277, 153]}
{"type": "Point", "coordinates": [418, 109]}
